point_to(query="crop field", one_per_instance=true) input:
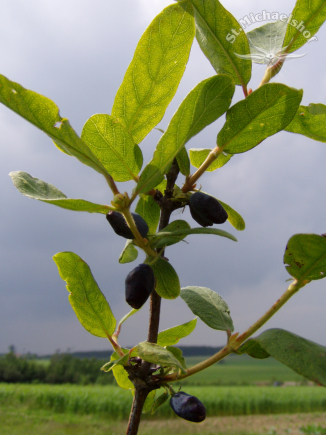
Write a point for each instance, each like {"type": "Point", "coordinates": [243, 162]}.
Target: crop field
{"type": "Point", "coordinates": [242, 370]}
{"type": "Point", "coordinates": [114, 403]}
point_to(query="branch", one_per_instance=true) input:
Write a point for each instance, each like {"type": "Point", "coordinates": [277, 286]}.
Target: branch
{"type": "Point", "coordinates": [235, 340]}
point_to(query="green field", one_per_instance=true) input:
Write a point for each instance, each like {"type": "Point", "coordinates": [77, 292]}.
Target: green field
{"type": "Point", "coordinates": [242, 370]}
{"type": "Point", "coordinates": [114, 403]}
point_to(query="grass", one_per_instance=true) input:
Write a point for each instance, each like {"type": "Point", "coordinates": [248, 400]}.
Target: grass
{"type": "Point", "coordinates": [22, 421]}
{"type": "Point", "coordinates": [114, 403]}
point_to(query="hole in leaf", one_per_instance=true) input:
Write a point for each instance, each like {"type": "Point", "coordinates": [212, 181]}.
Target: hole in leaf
{"type": "Point", "coordinates": [321, 273]}
{"type": "Point", "coordinates": [58, 124]}
{"type": "Point", "coordinates": [14, 91]}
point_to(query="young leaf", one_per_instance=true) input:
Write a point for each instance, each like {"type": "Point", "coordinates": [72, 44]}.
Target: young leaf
{"type": "Point", "coordinates": [171, 336]}
{"type": "Point", "coordinates": [208, 306]}
{"type": "Point", "coordinates": [308, 16]}
{"type": "Point", "coordinates": [202, 106]}
{"type": "Point", "coordinates": [120, 374]}
{"type": "Point", "coordinates": [178, 354]}
{"type": "Point", "coordinates": [129, 253]}
{"type": "Point", "coordinates": [167, 280]}
{"type": "Point", "coordinates": [155, 72]}
{"type": "Point", "coordinates": [149, 402]}
{"type": "Point", "coordinates": [263, 113]}
{"type": "Point", "coordinates": [87, 300]}
{"type": "Point", "coordinates": [121, 361]}
{"type": "Point", "coordinates": [42, 191]}
{"type": "Point", "coordinates": [235, 219]}
{"type": "Point", "coordinates": [162, 238]}
{"type": "Point", "coordinates": [265, 41]}
{"type": "Point", "coordinates": [156, 354]}
{"type": "Point", "coordinates": [160, 401]}
{"type": "Point", "coordinates": [305, 256]}
{"type": "Point", "coordinates": [148, 209]}
{"type": "Point", "coordinates": [199, 155]}
{"type": "Point", "coordinates": [169, 238]}
{"type": "Point", "coordinates": [310, 121]}
{"type": "Point", "coordinates": [44, 114]}
{"type": "Point", "coordinates": [303, 356]}
{"type": "Point", "coordinates": [183, 162]}
{"type": "Point", "coordinates": [125, 317]}
{"type": "Point", "coordinates": [113, 146]}
{"type": "Point", "coordinates": [213, 32]}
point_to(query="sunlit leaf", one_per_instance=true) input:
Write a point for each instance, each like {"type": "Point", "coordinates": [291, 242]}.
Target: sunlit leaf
{"type": "Point", "coordinates": [129, 253]}
{"type": "Point", "coordinates": [171, 336]}
{"type": "Point", "coordinates": [121, 361]}
{"type": "Point", "coordinates": [120, 374]}
{"type": "Point", "coordinates": [87, 300]}
{"type": "Point", "coordinates": [263, 113]}
{"type": "Point", "coordinates": [208, 306]}
{"type": "Point", "coordinates": [113, 146]}
{"type": "Point", "coordinates": [199, 155]}
{"type": "Point", "coordinates": [310, 121]}
{"type": "Point", "coordinates": [214, 26]}
{"type": "Point", "coordinates": [155, 72]}
{"type": "Point", "coordinates": [202, 106]}
{"type": "Point", "coordinates": [306, 19]}
{"type": "Point", "coordinates": [148, 209]}
{"type": "Point", "coordinates": [44, 114]}
{"type": "Point", "coordinates": [45, 192]}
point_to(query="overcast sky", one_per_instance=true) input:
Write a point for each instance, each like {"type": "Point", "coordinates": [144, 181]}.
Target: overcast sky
{"type": "Point", "coordinates": [76, 53]}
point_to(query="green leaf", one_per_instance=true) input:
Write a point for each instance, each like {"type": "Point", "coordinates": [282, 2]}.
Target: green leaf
{"type": "Point", "coordinates": [44, 114]}
{"type": "Point", "coordinates": [113, 146]}
{"type": "Point", "coordinates": [42, 191]}
{"type": "Point", "coordinates": [183, 162]}
{"type": "Point", "coordinates": [171, 336]}
{"type": "Point", "coordinates": [167, 280]}
{"type": "Point", "coordinates": [310, 121]}
{"type": "Point", "coordinates": [150, 211]}
{"type": "Point", "coordinates": [155, 72]}
{"type": "Point", "coordinates": [303, 356]}
{"type": "Point", "coordinates": [156, 354]}
{"type": "Point", "coordinates": [253, 349]}
{"type": "Point", "coordinates": [160, 401]}
{"type": "Point", "coordinates": [120, 374]}
{"type": "Point", "coordinates": [199, 155]}
{"type": "Point", "coordinates": [87, 300]}
{"type": "Point", "coordinates": [169, 238]}
{"type": "Point", "coordinates": [213, 32]}
{"type": "Point", "coordinates": [263, 113]}
{"type": "Point", "coordinates": [129, 253]}
{"type": "Point", "coordinates": [235, 219]}
{"type": "Point", "coordinates": [178, 354]}
{"type": "Point", "coordinates": [311, 15]}
{"type": "Point", "coordinates": [121, 361]}
{"type": "Point", "coordinates": [162, 238]}
{"type": "Point", "coordinates": [305, 256]}
{"type": "Point", "coordinates": [149, 402]}
{"type": "Point", "coordinates": [125, 317]}
{"type": "Point", "coordinates": [208, 306]}
{"type": "Point", "coordinates": [266, 39]}
{"type": "Point", "coordinates": [202, 106]}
